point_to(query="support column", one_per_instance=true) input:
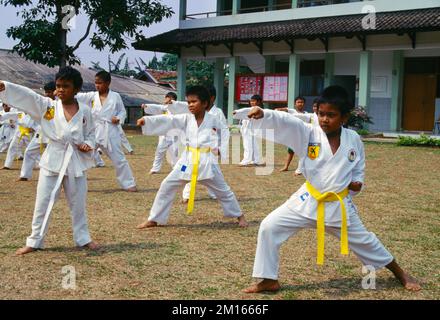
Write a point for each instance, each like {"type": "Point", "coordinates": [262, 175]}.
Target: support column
{"type": "Point", "coordinates": [271, 5]}
{"type": "Point", "coordinates": [181, 78]}
{"type": "Point", "coordinates": [219, 81]}
{"type": "Point", "coordinates": [397, 89]}
{"type": "Point", "coordinates": [236, 4]}
{"type": "Point", "coordinates": [269, 67]}
{"type": "Point", "coordinates": [329, 69]}
{"type": "Point", "coordinates": [182, 9]}
{"type": "Point", "coordinates": [294, 4]}
{"type": "Point", "coordinates": [234, 63]}
{"type": "Point", "coordinates": [219, 7]}
{"type": "Point", "coordinates": [365, 79]}
{"type": "Point", "coordinates": [294, 68]}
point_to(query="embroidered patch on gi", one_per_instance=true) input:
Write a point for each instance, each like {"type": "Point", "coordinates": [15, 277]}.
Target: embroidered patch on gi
{"type": "Point", "coordinates": [50, 113]}
{"type": "Point", "coordinates": [313, 150]}
{"type": "Point", "coordinates": [304, 196]}
{"type": "Point", "coordinates": [352, 155]}
{"type": "Point", "coordinates": [93, 104]}
{"type": "Point", "coordinates": [20, 116]}
{"type": "Point", "coordinates": [183, 168]}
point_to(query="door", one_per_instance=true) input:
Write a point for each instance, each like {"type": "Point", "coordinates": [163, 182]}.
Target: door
{"type": "Point", "coordinates": [419, 102]}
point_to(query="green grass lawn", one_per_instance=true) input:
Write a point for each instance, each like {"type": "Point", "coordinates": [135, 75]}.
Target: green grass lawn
{"type": "Point", "coordinates": [206, 256]}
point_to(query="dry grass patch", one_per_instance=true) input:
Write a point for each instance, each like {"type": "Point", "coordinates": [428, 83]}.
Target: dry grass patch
{"type": "Point", "coordinates": [206, 256]}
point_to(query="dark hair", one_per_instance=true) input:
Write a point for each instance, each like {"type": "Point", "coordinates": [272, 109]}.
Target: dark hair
{"type": "Point", "coordinates": [104, 76]}
{"type": "Point", "coordinates": [199, 91]}
{"type": "Point", "coordinates": [336, 96]}
{"type": "Point", "coordinates": [70, 74]}
{"type": "Point", "coordinates": [50, 86]}
{"type": "Point", "coordinates": [171, 95]}
{"type": "Point", "coordinates": [316, 100]}
{"type": "Point", "coordinates": [257, 97]}
{"type": "Point", "coordinates": [212, 91]}
{"type": "Point", "coordinates": [300, 98]}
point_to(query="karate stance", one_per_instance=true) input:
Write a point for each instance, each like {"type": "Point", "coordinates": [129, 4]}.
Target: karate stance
{"type": "Point", "coordinates": [108, 113]}
{"type": "Point", "coordinates": [70, 129]}
{"type": "Point", "coordinates": [198, 162]}
{"type": "Point", "coordinates": [334, 166]}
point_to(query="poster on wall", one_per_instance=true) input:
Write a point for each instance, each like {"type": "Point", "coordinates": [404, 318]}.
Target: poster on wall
{"type": "Point", "coordinates": [247, 86]}
{"type": "Point", "coordinates": [275, 88]}
{"type": "Point", "coordinates": [272, 87]}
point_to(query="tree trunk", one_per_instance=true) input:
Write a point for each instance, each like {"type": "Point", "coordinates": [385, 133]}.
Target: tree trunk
{"type": "Point", "coordinates": [62, 37]}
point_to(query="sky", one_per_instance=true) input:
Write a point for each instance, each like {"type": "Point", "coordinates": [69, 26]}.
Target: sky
{"type": "Point", "coordinates": [87, 54]}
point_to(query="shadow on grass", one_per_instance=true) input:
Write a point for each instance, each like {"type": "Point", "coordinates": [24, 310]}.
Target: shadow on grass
{"type": "Point", "coordinates": [104, 248]}
{"type": "Point", "coordinates": [111, 191]}
{"type": "Point", "coordinates": [212, 225]}
{"type": "Point", "coordinates": [341, 287]}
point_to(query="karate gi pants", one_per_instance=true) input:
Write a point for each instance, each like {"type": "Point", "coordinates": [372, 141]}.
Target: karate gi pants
{"type": "Point", "coordinates": [31, 158]}
{"type": "Point", "coordinates": [283, 223]}
{"type": "Point", "coordinates": [124, 174]}
{"type": "Point", "coordinates": [160, 210]}
{"type": "Point", "coordinates": [15, 149]}
{"type": "Point", "coordinates": [76, 199]}
{"type": "Point", "coordinates": [165, 144]}
{"type": "Point", "coordinates": [124, 141]}
{"type": "Point", "coordinates": [251, 149]}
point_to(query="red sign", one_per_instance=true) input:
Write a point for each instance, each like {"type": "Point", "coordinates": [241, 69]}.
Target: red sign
{"type": "Point", "coordinates": [247, 86]}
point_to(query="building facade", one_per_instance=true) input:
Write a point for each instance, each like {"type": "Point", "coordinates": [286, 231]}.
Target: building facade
{"type": "Point", "coordinates": [385, 53]}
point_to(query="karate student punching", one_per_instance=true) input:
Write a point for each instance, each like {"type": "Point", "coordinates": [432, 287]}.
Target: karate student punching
{"type": "Point", "coordinates": [70, 129]}
{"type": "Point", "coordinates": [108, 113]}
{"type": "Point", "coordinates": [198, 162]}
{"type": "Point", "coordinates": [334, 168]}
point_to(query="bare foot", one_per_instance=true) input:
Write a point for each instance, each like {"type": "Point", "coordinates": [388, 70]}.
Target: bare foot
{"type": "Point", "coordinates": [153, 172]}
{"type": "Point", "coordinates": [147, 224]}
{"type": "Point", "coordinates": [185, 201]}
{"type": "Point", "coordinates": [5, 168]}
{"type": "Point", "coordinates": [132, 189]}
{"type": "Point", "coordinates": [298, 173]}
{"type": "Point", "coordinates": [265, 285]}
{"type": "Point", "coordinates": [409, 282]}
{"type": "Point", "coordinates": [284, 169]}
{"type": "Point", "coordinates": [242, 223]}
{"type": "Point", "coordinates": [92, 246]}
{"type": "Point", "coordinates": [405, 279]}
{"type": "Point", "coordinates": [24, 250]}
{"type": "Point", "coordinates": [23, 179]}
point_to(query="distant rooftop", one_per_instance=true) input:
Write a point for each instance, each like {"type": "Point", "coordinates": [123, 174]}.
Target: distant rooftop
{"type": "Point", "coordinates": [16, 69]}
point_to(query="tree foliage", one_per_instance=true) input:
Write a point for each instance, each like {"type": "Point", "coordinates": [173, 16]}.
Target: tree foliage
{"type": "Point", "coordinates": [43, 34]}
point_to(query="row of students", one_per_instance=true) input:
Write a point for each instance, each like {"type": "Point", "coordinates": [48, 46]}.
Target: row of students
{"type": "Point", "coordinates": [334, 166]}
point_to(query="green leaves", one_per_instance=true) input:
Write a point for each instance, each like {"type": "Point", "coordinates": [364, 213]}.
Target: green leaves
{"type": "Point", "coordinates": [116, 21]}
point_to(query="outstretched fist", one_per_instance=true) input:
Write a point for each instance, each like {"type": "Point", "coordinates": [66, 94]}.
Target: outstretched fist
{"type": "Point", "coordinates": [256, 113]}
{"type": "Point", "coordinates": [141, 122]}
{"type": "Point", "coordinates": [2, 86]}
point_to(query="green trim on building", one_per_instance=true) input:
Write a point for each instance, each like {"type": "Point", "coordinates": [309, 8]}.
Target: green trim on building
{"type": "Point", "coordinates": [234, 64]}
{"type": "Point", "coordinates": [294, 68]}
{"type": "Point", "coordinates": [397, 89]}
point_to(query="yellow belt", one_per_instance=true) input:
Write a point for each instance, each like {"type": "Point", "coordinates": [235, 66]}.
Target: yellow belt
{"type": "Point", "coordinates": [321, 198]}
{"type": "Point", "coordinates": [24, 132]}
{"type": "Point", "coordinates": [195, 172]}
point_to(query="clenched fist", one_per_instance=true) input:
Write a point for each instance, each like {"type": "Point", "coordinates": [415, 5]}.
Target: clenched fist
{"type": "Point", "coordinates": [2, 86]}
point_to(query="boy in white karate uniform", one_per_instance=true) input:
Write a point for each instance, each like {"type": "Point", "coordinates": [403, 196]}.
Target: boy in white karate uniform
{"type": "Point", "coordinates": [108, 113]}
{"type": "Point", "coordinates": [223, 133]}
{"type": "Point", "coordinates": [167, 143]}
{"type": "Point", "coordinates": [24, 132]}
{"type": "Point", "coordinates": [70, 129]}
{"type": "Point", "coordinates": [7, 129]}
{"type": "Point", "coordinates": [38, 143]}
{"type": "Point", "coordinates": [299, 109]}
{"type": "Point", "coordinates": [334, 166]}
{"type": "Point", "coordinates": [198, 162]}
{"type": "Point", "coordinates": [251, 148]}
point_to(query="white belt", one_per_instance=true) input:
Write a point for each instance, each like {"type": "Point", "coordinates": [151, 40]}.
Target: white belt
{"type": "Point", "coordinates": [67, 157]}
